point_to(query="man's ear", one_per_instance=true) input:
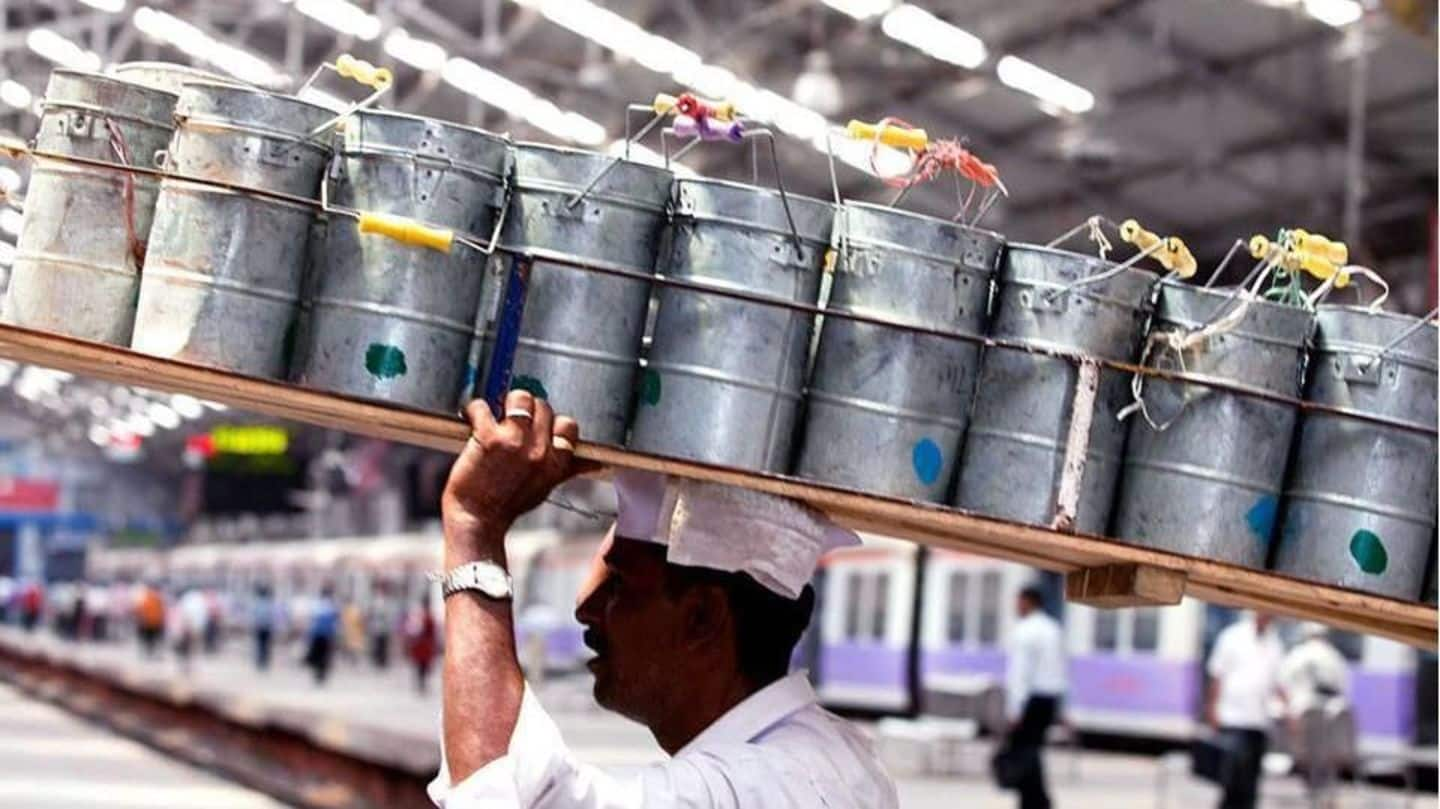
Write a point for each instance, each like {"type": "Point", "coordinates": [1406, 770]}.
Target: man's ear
{"type": "Point", "coordinates": [706, 611]}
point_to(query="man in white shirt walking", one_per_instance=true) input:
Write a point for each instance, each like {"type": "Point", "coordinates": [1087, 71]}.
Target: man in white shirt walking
{"type": "Point", "coordinates": [693, 606]}
{"type": "Point", "coordinates": [1243, 668]}
{"type": "Point", "coordinates": [1035, 683]}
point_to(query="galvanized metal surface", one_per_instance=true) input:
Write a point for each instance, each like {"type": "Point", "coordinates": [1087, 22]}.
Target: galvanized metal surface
{"type": "Point", "coordinates": [580, 335]}
{"type": "Point", "coordinates": [223, 273]}
{"type": "Point", "coordinates": [1360, 501]}
{"type": "Point", "coordinates": [886, 408]}
{"type": "Point", "coordinates": [1013, 456]}
{"type": "Point", "coordinates": [391, 321]}
{"type": "Point", "coordinates": [723, 378]}
{"type": "Point", "coordinates": [1209, 483]}
{"type": "Point", "coordinates": [78, 258]}
{"type": "Point", "coordinates": [167, 76]}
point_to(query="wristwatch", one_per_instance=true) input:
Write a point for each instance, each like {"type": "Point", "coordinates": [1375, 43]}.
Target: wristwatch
{"type": "Point", "coordinates": [486, 578]}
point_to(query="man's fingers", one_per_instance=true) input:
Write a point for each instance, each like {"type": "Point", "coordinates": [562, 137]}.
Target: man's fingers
{"type": "Point", "coordinates": [537, 443]}
{"type": "Point", "coordinates": [519, 415]}
{"type": "Point", "coordinates": [477, 412]}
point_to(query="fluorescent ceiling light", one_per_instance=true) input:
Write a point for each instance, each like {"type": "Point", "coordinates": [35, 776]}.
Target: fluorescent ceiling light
{"type": "Point", "coordinates": [61, 51]}
{"type": "Point", "coordinates": [109, 6]}
{"type": "Point", "coordinates": [1030, 78]}
{"type": "Point", "coordinates": [343, 16]}
{"type": "Point", "coordinates": [189, 39]}
{"type": "Point", "coordinates": [420, 54]}
{"type": "Point", "coordinates": [924, 31]}
{"type": "Point", "coordinates": [187, 406]}
{"type": "Point", "coordinates": [16, 94]}
{"type": "Point", "coordinates": [517, 101]}
{"type": "Point", "coordinates": [1336, 13]}
{"type": "Point", "coordinates": [861, 9]}
{"type": "Point", "coordinates": [163, 416]}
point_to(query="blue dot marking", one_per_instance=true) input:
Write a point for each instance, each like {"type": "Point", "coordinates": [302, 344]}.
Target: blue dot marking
{"type": "Point", "coordinates": [1261, 518]}
{"type": "Point", "coordinates": [927, 460]}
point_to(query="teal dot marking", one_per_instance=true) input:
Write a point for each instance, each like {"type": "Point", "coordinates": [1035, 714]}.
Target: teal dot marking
{"type": "Point", "coordinates": [927, 459]}
{"type": "Point", "coordinates": [1369, 552]}
{"type": "Point", "coordinates": [1261, 518]}
{"type": "Point", "coordinates": [531, 385]}
{"type": "Point", "coordinates": [650, 387]}
{"type": "Point", "coordinates": [385, 361]}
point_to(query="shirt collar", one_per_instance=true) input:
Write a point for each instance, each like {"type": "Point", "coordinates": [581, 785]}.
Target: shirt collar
{"type": "Point", "coordinates": [757, 713]}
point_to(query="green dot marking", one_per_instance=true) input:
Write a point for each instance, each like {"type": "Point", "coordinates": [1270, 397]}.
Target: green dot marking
{"type": "Point", "coordinates": [384, 361]}
{"type": "Point", "coordinates": [1369, 552]}
{"type": "Point", "coordinates": [650, 387]}
{"type": "Point", "coordinates": [531, 385]}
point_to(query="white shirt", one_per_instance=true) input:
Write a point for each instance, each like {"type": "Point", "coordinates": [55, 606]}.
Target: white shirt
{"type": "Point", "coordinates": [1245, 664]}
{"type": "Point", "coordinates": [1312, 674]}
{"type": "Point", "coordinates": [778, 749]}
{"type": "Point", "coordinates": [1037, 662]}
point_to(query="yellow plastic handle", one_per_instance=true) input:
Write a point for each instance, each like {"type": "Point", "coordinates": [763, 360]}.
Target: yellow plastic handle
{"type": "Point", "coordinates": [363, 72]}
{"type": "Point", "coordinates": [1260, 246]}
{"type": "Point", "coordinates": [1319, 266]}
{"type": "Point", "coordinates": [664, 104]}
{"type": "Point", "coordinates": [1182, 261]}
{"type": "Point", "coordinates": [890, 135]}
{"type": "Point", "coordinates": [1171, 252]}
{"type": "Point", "coordinates": [1336, 252]}
{"type": "Point", "coordinates": [407, 231]}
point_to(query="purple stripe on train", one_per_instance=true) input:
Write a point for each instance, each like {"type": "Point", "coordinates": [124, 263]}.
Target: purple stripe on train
{"type": "Point", "coordinates": [1384, 702]}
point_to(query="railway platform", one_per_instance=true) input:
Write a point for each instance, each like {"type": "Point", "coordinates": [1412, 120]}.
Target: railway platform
{"type": "Point", "coordinates": [379, 716]}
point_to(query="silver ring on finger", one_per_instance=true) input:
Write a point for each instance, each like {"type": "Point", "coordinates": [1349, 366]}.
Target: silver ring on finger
{"type": "Point", "coordinates": [519, 413]}
{"type": "Point", "coordinates": [562, 443]}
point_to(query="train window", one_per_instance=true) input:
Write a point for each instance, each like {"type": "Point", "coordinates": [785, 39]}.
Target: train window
{"type": "Point", "coordinates": [959, 592]}
{"type": "Point", "coordinates": [1107, 630]}
{"type": "Point", "coordinates": [989, 607]}
{"type": "Point", "coordinates": [852, 604]}
{"type": "Point", "coordinates": [882, 602]}
{"type": "Point", "coordinates": [1145, 634]}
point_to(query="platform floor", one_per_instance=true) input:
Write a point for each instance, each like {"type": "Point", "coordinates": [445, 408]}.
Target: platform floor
{"type": "Point", "coordinates": [51, 760]}
{"type": "Point", "coordinates": [358, 696]}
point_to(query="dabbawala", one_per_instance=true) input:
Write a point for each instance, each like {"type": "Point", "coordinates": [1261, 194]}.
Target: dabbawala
{"type": "Point", "coordinates": [692, 605]}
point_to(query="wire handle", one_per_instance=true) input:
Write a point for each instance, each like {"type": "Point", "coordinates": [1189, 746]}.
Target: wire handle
{"type": "Point", "coordinates": [378, 79]}
{"type": "Point", "coordinates": [754, 136]}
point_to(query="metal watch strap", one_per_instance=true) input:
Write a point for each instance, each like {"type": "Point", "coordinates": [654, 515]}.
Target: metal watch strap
{"type": "Point", "coordinates": [486, 578]}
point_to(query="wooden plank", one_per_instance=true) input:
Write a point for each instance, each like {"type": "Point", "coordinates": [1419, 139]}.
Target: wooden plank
{"type": "Point", "coordinates": [1125, 586]}
{"type": "Point", "coordinates": [925, 523]}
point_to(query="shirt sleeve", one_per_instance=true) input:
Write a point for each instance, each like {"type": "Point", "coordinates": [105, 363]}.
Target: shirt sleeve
{"type": "Point", "coordinates": [539, 772]}
{"type": "Point", "coordinates": [1019, 673]}
{"type": "Point", "coordinates": [1219, 662]}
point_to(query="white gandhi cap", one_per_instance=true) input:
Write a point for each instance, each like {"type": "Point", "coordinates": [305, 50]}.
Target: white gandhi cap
{"type": "Point", "coordinates": [774, 540]}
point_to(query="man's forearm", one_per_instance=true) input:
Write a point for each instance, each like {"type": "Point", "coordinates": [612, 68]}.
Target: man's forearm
{"type": "Point", "coordinates": [483, 685]}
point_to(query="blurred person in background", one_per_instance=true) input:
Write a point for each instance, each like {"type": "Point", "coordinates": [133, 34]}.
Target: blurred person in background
{"type": "Point", "coordinates": [421, 641]}
{"type": "Point", "coordinates": [352, 632]}
{"type": "Point", "coordinates": [7, 599]}
{"type": "Point", "coordinates": [381, 618]}
{"type": "Point", "coordinates": [32, 603]}
{"type": "Point", "coordinates": [693, 604]}
{"type": "Point", "coordinates": [262, 623]}
{"type": "Point", "coordinates": [149, 617]}
{"type": "Point", "coordinates": [189, 620]}
{"type": "Point", "coordinates": [1316, 681]}
{"type": "Point", "coordinates": [1244, 667]}
{"type": "Point", "coordinates": [1035, 684]}
{"type": "Point", "coordinates": [320, 636]}
{"type": "Point", "coordinates": [97, 601]}
{"type": "Point", "coordinates": [214, 620]}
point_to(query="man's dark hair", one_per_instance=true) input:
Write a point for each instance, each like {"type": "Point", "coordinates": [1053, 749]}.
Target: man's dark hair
{"type": "Point", "coordinates": [1032, 594]}
{"type": "Point", "coordinates": [767, 624]}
